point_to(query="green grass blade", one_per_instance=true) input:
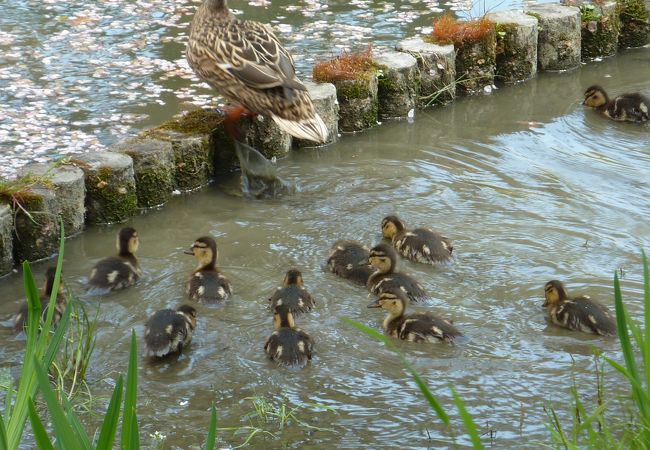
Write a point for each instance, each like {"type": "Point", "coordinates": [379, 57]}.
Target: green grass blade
{"type": "Point", "coordinates": [3, 432]}
{"type": "Point", "coordinates": [111, 418]}
{"type": "Point", "coordinates": [33, 307]}
{"type": "Point", "coordinates": [74, 422]}
{"type": "Point", "coordinates": [212, 431]}
{"type": "Point", "coordinates": [57, 337]}
{"type": "Point", "coordinates": [40, 435]}
{"type": "Point", "coordinates": [645, 348]}
{"type": "Point", "coordinates": [66, 436]}
{"type": "Point", "coordinates": [442, 415]}
{"type": "Point", "coordinates": [129, 421]}
{"type": "Point", "coordinates": [470, 426]}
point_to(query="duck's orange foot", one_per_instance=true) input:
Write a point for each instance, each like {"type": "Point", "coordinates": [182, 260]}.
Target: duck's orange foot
{"type": "Point", "coordinates": [233, 115]}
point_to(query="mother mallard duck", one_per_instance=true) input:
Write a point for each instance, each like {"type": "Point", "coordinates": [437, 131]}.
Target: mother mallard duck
{"type": "Point", "coordinates": [246, 63]}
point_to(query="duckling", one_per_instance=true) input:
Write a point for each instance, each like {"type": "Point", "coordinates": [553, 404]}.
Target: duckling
{"type": "Point", "coordinates": [633, 107]}
{"type": "Point", "coordinates": [349, 259]}
{"type": "Point", "coordinates": [384, 259]}
{"type": "Point", "coordinates": [288, 346]}
{"type": "Point", "coordinates": [121, 271]}
{"type": "Point", "coordinates": [419, 245]}
{"type": "Point", "coordinates": [20, 319]}
{"type": "Point", "coordinates": [207, 284]}
{"type": "Point", "coordinates": [169, 331]}
{"type": "Point", "coordinates": [419, 327]}
{"type": "Point", "coordinates": [577, 313]}
{"type": "Point", "coordinates": [293, 294]}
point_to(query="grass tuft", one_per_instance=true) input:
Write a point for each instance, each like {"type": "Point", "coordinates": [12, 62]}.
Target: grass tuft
{"type": "Point", "coordinates": [346, 66]}
{"type": "Point", "coordinates": [448, 30]}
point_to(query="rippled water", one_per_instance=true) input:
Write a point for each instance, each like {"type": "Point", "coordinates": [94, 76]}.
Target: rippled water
{"type": "Point", "coordinates": [528, 184]}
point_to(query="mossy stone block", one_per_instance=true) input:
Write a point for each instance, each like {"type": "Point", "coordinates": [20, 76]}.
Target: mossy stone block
{"type": "Point", "coordinates": [476, 64]}
{"type": "Point", "coordinates": [264, 135]}
{"type": "Point", "coordinates": [516, 50]}
{"type": "Point", "coordinates": [6, 239]}
{"type": "Point", "coordinates": [110, 186]}
{"type": "Point", "coordinates": [398, 83]}
{"type": "Point", "coordinates": [558, 36]}
{"type": "Point", "coordinates": [323, 96]}
{"type": "Point", "coordinates": [36, 226]}
{"type": "Point", "coordinates": [69, 186]}
{"type": "Point", "coordinates": [358, 102]}
{"type": "Point", "coordinates": [600, 25]}
{"type": "Point", "coordinates": [635, 23]}
{"type": "Point", "coordinates": [437, 65]}
{"type": "Point", "coordinates": [153, 167]}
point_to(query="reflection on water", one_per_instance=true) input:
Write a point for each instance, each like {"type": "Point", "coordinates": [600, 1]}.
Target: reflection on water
{"type": "Point", "coordinates": [528, 184]}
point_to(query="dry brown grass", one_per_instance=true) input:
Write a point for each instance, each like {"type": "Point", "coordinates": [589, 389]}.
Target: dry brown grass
{"type": "Point", "coordinates": [448, 30]}
{"type": "Point", "coordinates": [346, 66]}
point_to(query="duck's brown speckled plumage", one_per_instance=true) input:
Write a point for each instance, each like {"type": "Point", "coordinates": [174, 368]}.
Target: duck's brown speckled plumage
{"type": "Point", "coordinates": [419, 245]}
{"type": "Point", "coordinates": [288, 345]}
{"type": "Point", "coordinates": [246, 63]}
{"type": "Point", "coordinates": [169, 331]}
{"type": "Point", "coordinates": [293, 294]}
{"type": "Point", "coordinates": [121, 271]}
{"type": "Point", "coordinates": [207, 284]}
{"type": "Point", "coordinates": [349, 260]}
{"type": "Point", "coordinates": [384, 259]}
{"type": "Point", "coordinates": [417, 327]}
{"type": "Point", "coordinates": [632, 107]}
{"type": "Point", "coordinates": [577, 313]}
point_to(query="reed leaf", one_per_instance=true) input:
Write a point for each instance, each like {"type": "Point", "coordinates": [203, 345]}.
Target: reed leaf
{"type": "Point", "coordinates": [129, 419]}
{"type": "Point", "coordinates": [40, 435]}
{"type": "Point", "coordinates": [212, 431]}
{"type": "Point", "coordinates": [470, 426]}
{"type": "Point", "coordinates": [111, 418]}
{"type": "Point", "coordinates": [645, 347]}
{"type": "Point", "coordinates": [3, 430]}
{"type": "Point", "coordinates": [74, 422]}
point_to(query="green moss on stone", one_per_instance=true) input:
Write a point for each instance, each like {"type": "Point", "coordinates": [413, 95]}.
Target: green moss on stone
{"type": "Point", "coordinates": [635, 24]}
{"type": "Point", "coordinates": [193, 161]}
{"type": "Point", "coordinates": [108, 201]}
{"type": "Point", "coordinates": [475, 64]}
{"type": "Point", "coordinates": [198, 121]}
{"type": "Point", "coordinates": [513, 61]}
{"type": "Point", "coordinates": [36, 229]}
{"type": "Point", "coordinates": [153, 186]}
{"type": "Point", "coordinates": [358, 103]}
{"type": "Point", "coordinates": [599, 32]}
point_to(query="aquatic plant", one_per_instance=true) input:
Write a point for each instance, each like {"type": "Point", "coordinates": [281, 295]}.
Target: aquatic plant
{"type": "Point", "coordinates": [448, 30]}
{"type": "Point", "coordinates": [346, 66]}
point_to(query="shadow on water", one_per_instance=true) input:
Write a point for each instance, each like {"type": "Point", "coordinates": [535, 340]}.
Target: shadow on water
{"type": "Point", "coordinates": [259, 178]}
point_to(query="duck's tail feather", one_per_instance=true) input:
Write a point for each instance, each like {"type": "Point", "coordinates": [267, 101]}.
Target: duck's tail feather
{"type": "Point", "coordinates": [312, 129]}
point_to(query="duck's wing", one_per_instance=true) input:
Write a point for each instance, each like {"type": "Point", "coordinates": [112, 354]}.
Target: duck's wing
{"type": "Point", "coordinates": [424, 245]}
{"type": "Point", "coordinates": [584, 314]}
{"type": "Point", "coordinates": [426, 327]}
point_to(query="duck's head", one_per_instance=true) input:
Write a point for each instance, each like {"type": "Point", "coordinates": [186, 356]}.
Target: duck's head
{"type": "Point", "coordinates": [391, 225]}
{"type": "Point", "coordinates": [595, 96]}
{"type": "Point", "coordinates": [189, 312]}
{"type": "Point", "coordinates": [127, 241]}
{"type": "Point", "coordinates": [554, 292]}
{"type": "Point", "coordinates": [283, 317]}
{"type": "Point", "coordinates": [205, 251]}
{"type": "Point", "coordinates": [293, 276]}
{"type": "Point", "coordinates": [383, 258]}
{"type": "Point", "coordinates": [49, 281]}
{"type": "Point", "coordinates": [392, 301]}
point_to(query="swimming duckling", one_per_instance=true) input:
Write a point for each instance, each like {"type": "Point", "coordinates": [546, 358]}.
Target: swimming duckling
{"type": "Point", "coordinates": [207, 284]}
{"type": "Point", "coordinates": [288, 346]}
{"type": "Point", "coordinates": [418, 327]}
{"type": "Point", "coordinates": [419, 245]}
{"type": "Point", "coordinates": [349, 259]}
{"type": "Point", "coordinates": [169, 331]}
{"type": "Point", "coordinates": [123, 270]}
{"type": "Point", "coordinates": [384, 259]}
{"type": "Point", "coordinates": [20, 320]}
{"type": "Point", "coordinates": [633, 107]}
{"type": "Point", "coordinates": [577, 313]}
{"type": "Point", "coordinates": [293, 294]}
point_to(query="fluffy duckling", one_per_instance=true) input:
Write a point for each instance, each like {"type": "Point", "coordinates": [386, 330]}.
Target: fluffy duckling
{"type": "Point", "coordinates": [349, 259]}
{"type": "Point", "coordinates": [384, 259]}
{"type": "Point", "coordinates": [207, 284]}
{"type": "Point", "coordinates": [577, 313]}
{"type": "Point", "coordinates": [288, 346]}
{"type": "Point", "coordinates": [169, 331]}
{"type": "Point", "coordinates": [293, 294]}
{"type": "Point", "coordinates": [418, 327]}
{"type": "Point", "coordinates": [419, 245]}
{"type": "Point", "coordinates": [633, 107]}
{"type": "Point", "coordinates": [20, 319]}
{"type": "Point", "coordinates": [123, 270]}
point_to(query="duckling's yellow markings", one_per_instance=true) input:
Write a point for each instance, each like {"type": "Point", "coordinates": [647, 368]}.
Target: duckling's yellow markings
{"type": "Point", "coordinates": [279, 302]}
{"type": "Point", "coordinates": [198, 275]}
{"type": "Point", "coordinates": [221, 292]}
{"type": "Point", "coordinates": [300, 302]}
{"type": "Point", "coordinates": [349, 266]}
{"type": "Point", "coordinates": [403, 289]}
{"type": "Point", "coordinates": [201, 290]}
{"type": "Point", "coordinates": [93, 273]}
{"type": "Point", "coordinates": [644, 108]}
{"type": "Point", "coordinates": [301, 346]}
{"type": "Point", "coordinates": [436, 330]}
{"type": "Point", "coordinates": [168, 329]}
{"type": "Point", "coordinates": [147, 331]}
{"type": "Point", "coordinates": [426, 250]}
{"type": "Point", "coordinates": [278, 351]}
{"type": "Point", "coordinates": [412, 337]}
{"type": "Point", "coordinates": [112, 276]}
{"type": "Point", "coordinates": [592, 319]}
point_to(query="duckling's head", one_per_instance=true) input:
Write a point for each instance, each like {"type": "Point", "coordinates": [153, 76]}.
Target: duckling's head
{"type": "Point", "coordinates": [49, 281]}
{"type": "Point", "coordinates": [554, 292]}
{"type": "Point", "coordinates": [293, 276]}
{"type": "Point", "coordinates": [595, 96]}
{"type": "Point", "coordinates": [189, 312]}
{"type": "Point", "coordinates": [383, 258]}
{"type": "Point", "coordinates": [391, 225]}
{"type": "Point", "coordinates": [283, 317]}
{"type": "Point", "coordinates": [392, 301]}
{"type": "Point", "coordinates": [205, 250]}
{"type": "Point", "coordinates": [128, 241]}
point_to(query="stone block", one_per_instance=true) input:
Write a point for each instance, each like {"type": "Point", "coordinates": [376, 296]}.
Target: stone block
{"type": "Point", "coordinates": [558, 37]}
{"type": "Point", "coordinates": [6, 239]}
{"type": "Point", "coordinates": [600, 25]}
{"type": "Point", "coordinates": [476, 65]}
{"type": "Point", "coordinates": [398, 83]}
{"type": "Point", "coordinates": [36, 224]}
{"type": "Point", "coordinates": [323, 96]}
{"type": "Point", "coordinates": [358, 102]}
{"type": "Point", "coordinates": [516, 51]}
